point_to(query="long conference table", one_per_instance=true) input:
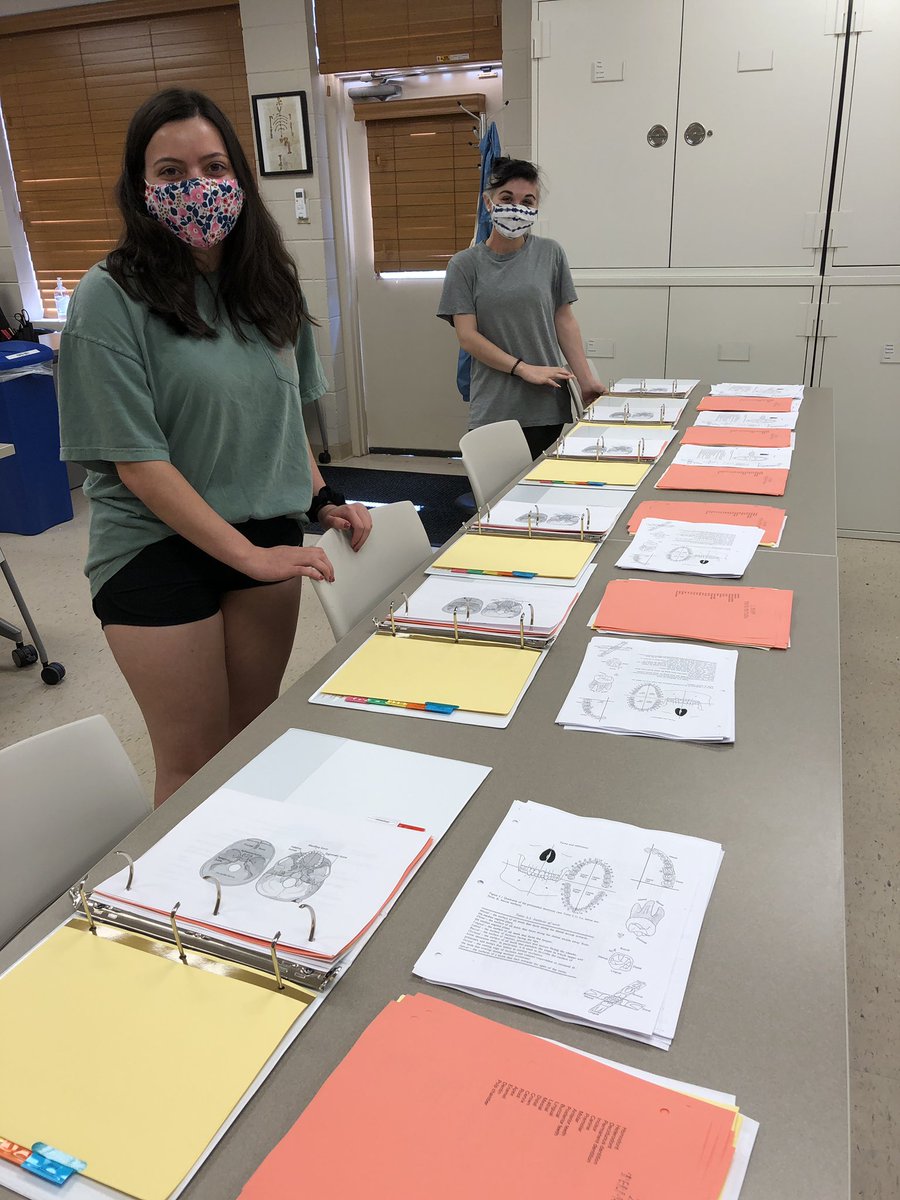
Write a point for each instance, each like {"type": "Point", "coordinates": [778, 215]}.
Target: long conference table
{"type": "Point", "coordinates": [765, 1013]}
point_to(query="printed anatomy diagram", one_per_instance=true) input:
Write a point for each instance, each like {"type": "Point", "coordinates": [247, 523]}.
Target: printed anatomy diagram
{"type": "Point", "coordinates": [580, 885]}
{"type": "Point", "coordinates": [607, 1000]}
{"type": "Point", "coordinates": [293, 878]}
{"type": "Point", "coordinates": [508, 607]}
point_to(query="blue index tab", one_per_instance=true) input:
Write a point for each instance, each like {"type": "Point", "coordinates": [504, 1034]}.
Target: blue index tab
{"type": "Point", "coordinates": [524, 574]}
{"type": "Point", "coordinates": [55, 1166]}
{"type": "Point", "coordinates": [432, 706]}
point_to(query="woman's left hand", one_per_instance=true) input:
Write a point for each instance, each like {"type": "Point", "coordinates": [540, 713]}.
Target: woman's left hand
{"type": "Point", "coordinates": [354, 519]}
{"type": "Point", "coordinates": [590, 390]}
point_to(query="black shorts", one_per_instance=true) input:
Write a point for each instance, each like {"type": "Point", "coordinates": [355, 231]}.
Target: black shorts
{"type": "Point", "coordinates": [172, 582]}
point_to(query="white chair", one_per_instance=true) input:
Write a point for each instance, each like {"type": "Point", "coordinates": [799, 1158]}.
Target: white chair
{"type": "Point", "coordinates": [494, 455]}
{"type": "Point", "coordinates": [397, 545]}
{"type": "Point", "coordinates": [67, 796]}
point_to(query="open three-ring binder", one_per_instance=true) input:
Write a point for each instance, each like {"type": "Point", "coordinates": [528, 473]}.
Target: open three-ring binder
{"type": "Point", "coordinates": [133, 1040]}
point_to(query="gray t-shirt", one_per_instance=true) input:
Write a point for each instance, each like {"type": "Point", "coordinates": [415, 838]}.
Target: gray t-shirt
{"type": "Point", "coordinates": [514, 298]}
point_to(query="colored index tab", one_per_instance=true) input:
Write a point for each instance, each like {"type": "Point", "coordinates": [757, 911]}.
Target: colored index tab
{"type": "Point", "coordinates": [47, 1168]}
{"type": "Point", "coordinates": [13, 1152]}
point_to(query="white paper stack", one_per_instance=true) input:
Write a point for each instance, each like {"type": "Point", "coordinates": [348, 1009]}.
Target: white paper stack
{"type": "Point", "coordinates": [271, 862]}
{"type": "Point", "coordinates": [760, 391]}
{"type": "Point", "coordinates": [651, 410]}
{"type": "Point", "coordinates": [589, 440]}
{"type": "Point", "coordinates": [481, 604]}
{"type": "Point", "coordinates": [745, 458]}
{"type": "Point", "coordinates": [692, 548]}
{"type": "Point", "coordinates": [588, 920]}
{"type": "Point", "coordinates": [674, 690]}
{"type": "Point", "coordinates": [556, 518]}
{"type": "Point", "coordinates": [747, 420]}
{"type": "Point", "coordinates": [654, 387]}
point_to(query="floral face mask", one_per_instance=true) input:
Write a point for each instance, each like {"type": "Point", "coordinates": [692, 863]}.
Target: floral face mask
{"type": "Point", "coordinates": [199, 211]}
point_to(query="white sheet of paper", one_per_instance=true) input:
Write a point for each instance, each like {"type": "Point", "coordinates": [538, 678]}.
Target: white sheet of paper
{"type": "Point", "coordinates": [685, 547]}
{"type": "Point", "coordinates": [607, 441]}
{"type": "Point", "coordinates": [561, 517]}
{"type": "Point", "coordinates": [483, 603]}
{"type": "Point", "coordinates": [674, 690]}
{"type": "Point", "coordinates": [648, 409]}
{"type": "Point", "coordinates": [576, 916]}
{"type": "Point", "coordinates": [753, 458]}
{"type": "Point", "coordinates": [643, 387]}
{"type": "Point", "coordinates": [765, 391]}
{"type": "Point", "coordinates": [748, 1131]}
{"type": "Point", "coordinates": [270, 858]}
{"type": "Point", "coordinates": [748, 420]}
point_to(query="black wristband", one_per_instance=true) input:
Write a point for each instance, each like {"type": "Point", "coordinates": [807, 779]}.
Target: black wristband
{"type": "Point", "coordinates": [512, 369]}
{"type": "Point", "coordinates": [322, 498]}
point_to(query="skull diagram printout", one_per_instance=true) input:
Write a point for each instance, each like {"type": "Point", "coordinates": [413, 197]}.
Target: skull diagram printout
{"type": "Point", "coordinates": [267, 864]}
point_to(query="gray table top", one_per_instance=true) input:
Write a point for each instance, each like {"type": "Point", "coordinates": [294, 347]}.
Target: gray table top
{"type": "Point", "coordinates": [765, 1010]}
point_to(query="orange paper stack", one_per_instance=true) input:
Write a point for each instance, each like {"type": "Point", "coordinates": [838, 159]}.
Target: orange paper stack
{"type": "Point", "coordinates": [735, 616]}
{"type": "Point", "coordinates": [747, 482]}
{"type": "Point", "coordinates": [764, 404]}
{"type": "Point", "coordinates": [762, 516]}
{"type": "Point", "coordinates": [436, 1102]}
{"type": "Point", "coordinates": [714, 435]}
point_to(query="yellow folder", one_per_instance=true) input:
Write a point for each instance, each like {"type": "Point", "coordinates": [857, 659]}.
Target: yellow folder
{"type": "Point", "coordinates": [126, 1059]}
{"type": "Point", "coordinates": [415, 671]}
{"type": "Point", "coordinates": [585, 471]}
{"type": "Point", "coordinates": [543, 557]}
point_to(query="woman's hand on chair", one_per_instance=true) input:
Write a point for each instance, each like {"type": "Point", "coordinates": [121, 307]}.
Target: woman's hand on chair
{"type": "Point", "coordinates": [272, 564]}
{"type": "Point", "coordinates": [352, 519]}
{"type": "Point", "coordinates": [541, 376]}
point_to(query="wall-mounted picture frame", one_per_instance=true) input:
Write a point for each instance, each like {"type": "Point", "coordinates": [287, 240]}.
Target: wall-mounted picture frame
{"type": "Point", "coordinates": [281, 122]}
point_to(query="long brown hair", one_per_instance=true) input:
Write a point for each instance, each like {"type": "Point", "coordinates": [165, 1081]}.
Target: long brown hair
{"type": "Point", "coordinates": [258, 281]}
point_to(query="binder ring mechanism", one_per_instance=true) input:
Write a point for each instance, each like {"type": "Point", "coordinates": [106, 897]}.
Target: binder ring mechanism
{"type": "Point", "coordinates": [119, 924]}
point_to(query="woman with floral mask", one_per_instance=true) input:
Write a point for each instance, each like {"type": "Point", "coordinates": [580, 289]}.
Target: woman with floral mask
{"type": "Point", "coordinates": [510, 300]}
{"type": "Point", "coordinates": [184, 364]}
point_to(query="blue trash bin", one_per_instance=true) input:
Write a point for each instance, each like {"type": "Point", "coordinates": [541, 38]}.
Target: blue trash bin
{"type": "Point", "coordinates": [34, 484]}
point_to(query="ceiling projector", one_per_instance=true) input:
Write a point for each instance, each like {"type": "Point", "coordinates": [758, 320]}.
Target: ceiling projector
{"type": "Point", "coordinates": [383, 90]}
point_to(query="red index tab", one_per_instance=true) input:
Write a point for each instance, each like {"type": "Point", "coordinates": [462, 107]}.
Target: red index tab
{"type": "Point", "coordinates": [13, 1152]}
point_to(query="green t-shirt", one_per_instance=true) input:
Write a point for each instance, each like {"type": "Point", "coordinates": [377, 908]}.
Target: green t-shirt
{"type": "Point", "coordinates": [227, 413]}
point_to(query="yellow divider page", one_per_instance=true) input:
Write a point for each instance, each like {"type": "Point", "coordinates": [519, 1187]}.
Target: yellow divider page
{"type": "Point", "coordinates": [547, 557]}
{"type": "Point", "coordinates": [129, 1061]}
{"type": "Point", "coordinates": [571, 470]}
{"type": "Point", "coordinates": [477, 678]}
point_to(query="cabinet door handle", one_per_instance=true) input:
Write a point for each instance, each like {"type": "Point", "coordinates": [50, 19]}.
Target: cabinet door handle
{"type": "Point", "coordinates": [696, 133]}
{"type": "Point", "coordinates": [657, 135]}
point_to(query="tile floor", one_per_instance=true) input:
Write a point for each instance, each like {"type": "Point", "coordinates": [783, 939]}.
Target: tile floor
{"type": "Point", "coordinates": [48, 569]}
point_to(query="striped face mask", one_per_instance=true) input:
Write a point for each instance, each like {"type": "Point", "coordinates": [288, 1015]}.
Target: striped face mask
{"type": "Point", "coordinates": [513, 220]}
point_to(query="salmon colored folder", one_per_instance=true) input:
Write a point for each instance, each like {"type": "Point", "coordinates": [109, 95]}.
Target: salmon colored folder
{"type": "Point", "coordinates": [736, 616]}
{"type": "Point", "coordinates": [745, 404]}
{"type": "Point", "coordinates": [742, 481]}
{"type": "Point", "coordinates": [712, 435]}
{"type": "Point", "coordinates": [436, 1103]}
{"type": "Point", "coordinates": [763, 516]}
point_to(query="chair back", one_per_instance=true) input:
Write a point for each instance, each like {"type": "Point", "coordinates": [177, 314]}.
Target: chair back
{"type": "Point", "coordinates": [67, 797]}
{"type": "Point", "coordinates": [494, 455]}
{"type": "Point", "coordinates": [397, 545]}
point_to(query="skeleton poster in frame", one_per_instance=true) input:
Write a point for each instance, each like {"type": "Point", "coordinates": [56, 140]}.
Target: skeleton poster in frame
{"type": "Point", "coordinates": [282, 133]}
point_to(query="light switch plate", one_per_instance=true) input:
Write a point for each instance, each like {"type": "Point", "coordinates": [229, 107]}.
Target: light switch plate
{"type": "Point", "coordinates": [301, 210]}
{"type": "Point", "coordinates": [890, 352]}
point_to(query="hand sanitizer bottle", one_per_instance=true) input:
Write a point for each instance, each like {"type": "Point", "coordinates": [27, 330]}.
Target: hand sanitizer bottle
{"type": "Point", "coordinates": [61, 296]}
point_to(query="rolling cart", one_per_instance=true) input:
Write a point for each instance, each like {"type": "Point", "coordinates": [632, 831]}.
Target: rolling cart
{"type": "Point", "coordinates": [24, 654]}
